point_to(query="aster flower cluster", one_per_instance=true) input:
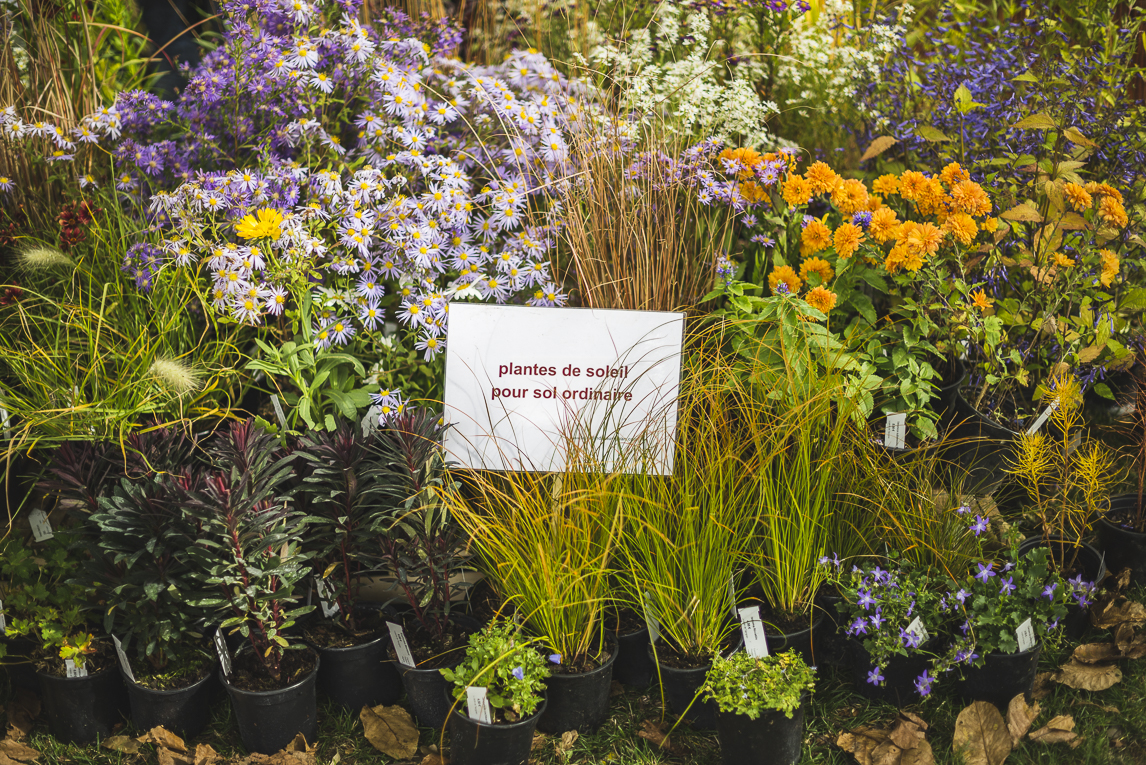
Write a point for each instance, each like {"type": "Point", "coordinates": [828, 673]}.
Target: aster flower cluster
{"type": "Point", "coordinates": [56, 143]}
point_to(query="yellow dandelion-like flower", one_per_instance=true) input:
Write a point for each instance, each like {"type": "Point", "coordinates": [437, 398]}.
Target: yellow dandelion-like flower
{"type": "Point", "coordinates": [980, 300]}
{"type": "Point", "coordinates": [797, 191]}
{"type": "Point", "coordinates": [1062, 261]}
{"type": "Point", "coordinates": [785, 275]}
{"type": "Point", "coordinates": [932, 199]}
{"type": "Point", "coordinates": [969, 197]}
{"type": "Point", "coordinates": [1106, 190]}
{"type": "Point", "coordinates": [1079, 198]}
{"type": "Point", "coordinates": [821, 299]}
{"type": "Point", "coordinates": [822, 178]}
{"type": "Point", "coordinates": [990, 225]}
{"type": "Point", "coordinates": [1111, 211]}
{"type": "Point", "coordinates": [962, 227]}
{"type": "Point", "coordinates": [1111, 265]}
{"type": "Point", "coordinates": [886, 185]}
{"type": "Point", "coordinates": [847, 239]}
{"type": "Point", "coordinates": [953, 174]}
{"type": "Point", "coordinates": [267, 222]}
{"type": "Point", "coordinates": [884, 225]}
{"type": "Point", "coordinates": [911, 184]}
{"type": "Point", "coordinates": [753, 192]}
{"type": "Point", "coordinates": [850, 197]}
{"type": "Point", "coordinates": [815, 237]}
{"type": "Point", "coordinates": [819, 267]}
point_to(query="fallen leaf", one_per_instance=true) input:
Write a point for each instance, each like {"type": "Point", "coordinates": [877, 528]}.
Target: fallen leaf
{"type": "Point", "coordinates": [160, 736]}
{"type": "Point", "coordinates": [656, 733]}
{"type": "Point", "coordinates": [565, 745]}
{"type": "Point", "coordinates": [1044, 683]}
{"type": "Point", "coordinates": [1060, 730]}
{"type": "Point", "coordinates": [433, 758]}
{"type": "Point", "coordinates": [616, 689]}
{"type": "Point", "coordinates": [22, 710]}
{"type": "Point", "coordinates": [1088, 677]}
{"type": "Point", "coordinates": [1111, 709]}
{"type": "Point", "coordinates": [125, 744]}
{"type": "Point", "coordinates": [298, 744]}
{"type": "Point", "coordinates": [1129, 641]}
{"type": "Point", "coordinates": [539, 740]}
{"type": "Point", "coordinates": [390, 730]}
{"type": "Point", "coordinates": [20, 752]}
{"type": "Point", "coordinates": [167, 757]}
{"type": "Point", "coordinates": [908, 730]}
{"type": "Point", "coordinates": [205, 754]}
{"type": "Point", "coordinates": [1020, 715]}
{"type": "Point", "coordinates": [981, 735]}
{"type": "Point", "coordinates": [1117, 610]}
{"type": "Point", "coordinates": [920, 755]}
{"type": "Point", "coordinates": [1092, 653]}
{"type": "Point", "coordinates": [1122, 581]}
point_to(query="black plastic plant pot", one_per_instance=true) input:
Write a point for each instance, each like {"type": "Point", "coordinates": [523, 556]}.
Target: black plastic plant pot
{"type": "Point", "coordinates": [18, 663]}
{"type": "Point", "coordinates": [899, 676]}
{"type": "Point", "coordinates": [770, 739]}
{"type": "Point", "coordinates": [803, 642]}
{"type": "Point", "coordinates": [1123, 547]}
{"type": "Point", "coordinates": [1002, 677]}
{"type": "Point", "coordinates": [81, 709]}
{"type": "Point", "coordinates": [634, 667]}
{"type": "Point", "coordinates": [476, 743]}
{"type": "Point", "coordinates": [579, 702]}
{"type": "Point", "coordinates": [360, 675]}
{"type": "Point", "coordinates": [682, 686]}
{"type": "Point", "coordinates": [269, 720]}
{"type": "Point", "coordinates": [183, 711]}
{"type": "Point", "coordinates": [1090, 562]}
{"type": "Point", "coordinates": [424, 691]}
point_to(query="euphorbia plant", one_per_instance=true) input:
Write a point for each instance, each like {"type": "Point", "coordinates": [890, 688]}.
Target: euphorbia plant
{"type": "Point", "coordinates": [417, 536]}
{"type": "Point", "coordinates": [249, 549]}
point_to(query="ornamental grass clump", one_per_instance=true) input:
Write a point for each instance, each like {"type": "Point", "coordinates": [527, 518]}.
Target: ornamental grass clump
{"type": "Point", "coordinates": [508, 665]}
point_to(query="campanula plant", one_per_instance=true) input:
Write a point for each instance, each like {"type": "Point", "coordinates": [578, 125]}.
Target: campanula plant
{"type": "Point", "coordinates": [745, 685]}
{"type": "Point", "coordinates": [505, 663]}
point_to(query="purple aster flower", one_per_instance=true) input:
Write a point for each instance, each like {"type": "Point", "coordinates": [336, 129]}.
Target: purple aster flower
{"type": "Point", "coordinates": [862, 219]}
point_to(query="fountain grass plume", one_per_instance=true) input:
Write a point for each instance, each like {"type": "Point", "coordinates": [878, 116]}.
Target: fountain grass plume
{"type": "Point", "coordinates": [43, 258]}
{"type": "Point", "coordinates": [177, 376]}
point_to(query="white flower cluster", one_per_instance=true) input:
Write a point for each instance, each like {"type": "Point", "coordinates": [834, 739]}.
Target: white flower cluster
{"type": "Point", "coordinates": [828, 57]}
{"type": "Point", "coordinates": [669, 72]}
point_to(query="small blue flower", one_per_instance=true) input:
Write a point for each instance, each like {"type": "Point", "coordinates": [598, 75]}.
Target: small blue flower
{"type": "Point", "coordinates": [923, 683]}
{"type": "Point", "coordinates": [877, 620]}
{"type": "Point", "coordinates": [862, 219]}
{"type": "Point", "coordinates": [962, 596]}
{"type": "Point", "coordinates": [1048, 591]}
{"type": "Point", "coordinates": [874, 677]}
{"type": "Point", "coordinates": [985, 572]}
{"type": "Point", "coordinates": [858, 627]}
{"type": "Point", "coordinates": [1008, 585]}
{"type": "Point", "coordinates": [865, 599]}
{"type": "Point", "coordinates": [519, 673]}
{"type": "Point", "coordinates": [555, 658]}
{"type": "Point", "coordinates": [980, 525]}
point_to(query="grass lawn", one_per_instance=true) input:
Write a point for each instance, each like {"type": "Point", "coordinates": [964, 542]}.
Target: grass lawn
{"type": "Point", "coordinates": [1111, 724]}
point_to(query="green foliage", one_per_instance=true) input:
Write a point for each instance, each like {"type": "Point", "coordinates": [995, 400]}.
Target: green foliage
{"type": "Point", "coordinates": [249, 547]}
{"type": "Point", "coordinates": [748, 686]}
{"type": "Point", "coordinates": [40, 602]}
{"type": "Point", "coordinates": [507, 665]}
{"type": "Point", "coordinates": [417, 536]}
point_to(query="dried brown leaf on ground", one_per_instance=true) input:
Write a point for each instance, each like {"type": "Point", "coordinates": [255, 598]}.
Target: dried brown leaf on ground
{"type": "Point", "coordinates": [1088, 677]}
{"type": "Point", "coordinates": [14, 750]}
{"type": "Point", "coordinates": [565, 745]}
{"type": "Point", "coordinates": [297, 752]}
{"type": "Point", "coordinates": [165, 756]}
{"type": "Point", "coordinates": [125, 744]}
{"type": "Point", "coordinates": [205, 754]}
{"type": "Point", "coordinates": [1130, 642]}
{"type": "Point", "coordinates": [1044, 684]}
{"type": "Point", "coordinates": [390, 730]}
{"type": "Point", "coordinates": [616, 689]}
{"type": "Point", "coordinates": [433, 758]}
{"type": "Point", "coordinates": [1112, 610]}
{"type": "Point", "coordinates": [22, 710]}
{"type": "Point", "coordinates": [1060, 730]}
{"type": "Point", "coordinates": [656, 733]}
{"type": "Point", "coordinates": [539, 740]}
{"type": "Point", "coordinates": [981, 735]}
{"type": "Point", "coordinates": [904, 743]}
{"type": "Point", "coordinates": [1020, 715]}
{"type": "Point", "coordinates": [1111, 709]}
{"type": "Point", "coordinates": [160, 736]}
{"type": "Point", "coordinates": [1093, 653]}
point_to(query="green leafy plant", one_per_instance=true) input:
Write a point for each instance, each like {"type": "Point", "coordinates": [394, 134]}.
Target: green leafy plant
{"type": "Point", "coordinates": [417, 536]}
{"type": "Point", "coordinates": [744, 685]}
{"type": "Point", "coordinates": [507, 665]}
{"type": "Point", "coordinates": [40, 602]}
{"type": "Point", "coordinates": [249, 548]}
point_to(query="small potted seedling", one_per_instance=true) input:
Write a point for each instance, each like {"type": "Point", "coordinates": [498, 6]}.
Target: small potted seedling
{"type": "Point", "coordinates": [760, 702]}
{"type": "Point", "coordinates": [497, 692]}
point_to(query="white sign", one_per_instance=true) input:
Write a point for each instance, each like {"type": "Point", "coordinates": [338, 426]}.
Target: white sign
{"type": "Point", "coordinates": [1042, 418]}
{"type": "Point", "coordinates": [41, 528]}
{"type": "Point", "coordinates": [916, 628]}
{"type": "Point", "coordinates": [329, 608]}
{"type": "Point", "coordinates": [895, 431]}
{"type": "Point", "coordinates": [526, 385]}
{"type": "Point", "coordinates": [755, 642]}
{"type": "Point", "coordinates": [72, 670]}
{"type": "Point", "coordinates": [123, 662]}
{"type": "Point", "coordinates": [224, 654]}
{"type": "Point", "coordinates": [477, 703]}
{"type": "Point", "coordinates": [1025, 635]}
{"type": "Point", "coordinates": [401, 647]}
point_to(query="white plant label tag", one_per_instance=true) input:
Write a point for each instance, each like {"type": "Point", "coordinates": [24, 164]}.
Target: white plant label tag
{"type": "Point", "coordinates": [1025, 634]}
{"type": "Point", "coordinates": [1042, 418]}
{"type": "Point", "coordinates": [73, 670]}
{"type": "Point", "coordinates": [224, 653]}
{"type": "Point", "coordinates": [279, 412]}
{"type": "Point", "coordinates": [651, 619]}
{"type": "Point", "coordinates": [895, 431]}
{"type": "Point", "coordinates": [329, 609]}
{"type": "Point", "coordinates": [755, 642]}
{"type": "Point", "coordinates": [732, 593]}
{"type": "Point", "coordinates": [401, 647]}
{"type": "Point", "coordinates": [916, 628]}
{"type": "Point", "coordinates": [123, 662]}
{"type": "Point", "coordinates": [370, 420]}
{"type": "Point", "coordinates": [3, 619]}
{"type": "Point", "coordinates": [5, 420]}
{"type": "Point", "coordinates": [41, 528]}
{"type": "Point", "coordinates": [477, 704]}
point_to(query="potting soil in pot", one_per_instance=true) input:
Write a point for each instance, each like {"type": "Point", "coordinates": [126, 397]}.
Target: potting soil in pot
{"type": "Point", "coordinates": [356, 670]}
{"type": "Point", "coordinates": [248, 673]}
{"type": "Point", "coordinates": [424, 684]}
